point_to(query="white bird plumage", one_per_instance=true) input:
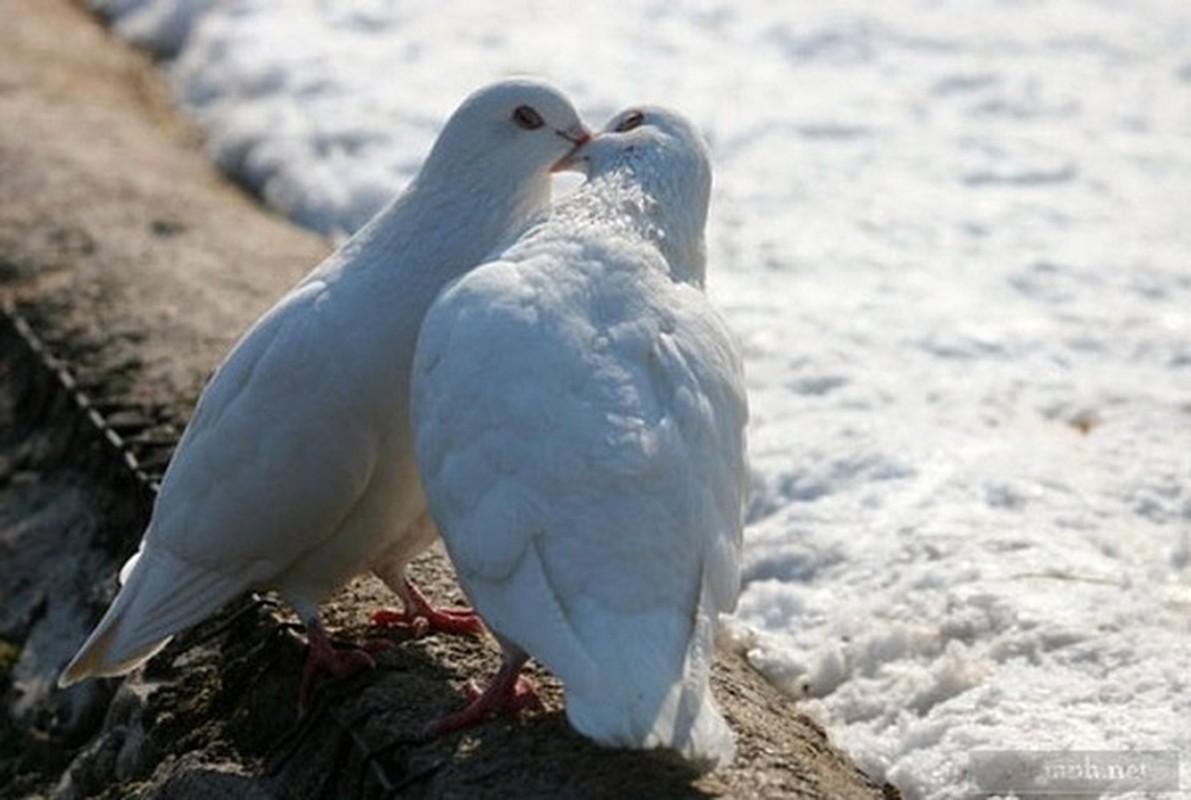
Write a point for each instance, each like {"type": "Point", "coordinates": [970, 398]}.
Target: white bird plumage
{"type": "Point", "coordinates": [297, 470]}
{"type": "Point", "coordinates": [579, 415]}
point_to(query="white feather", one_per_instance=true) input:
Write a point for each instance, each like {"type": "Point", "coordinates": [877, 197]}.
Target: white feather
{"type": "Point", "coordinates": [297, 471]}
{"type": "Point", "coordinates": [579, 414]}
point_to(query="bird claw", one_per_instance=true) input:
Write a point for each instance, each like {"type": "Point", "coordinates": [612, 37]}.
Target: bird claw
{"type": "Point", "coordinates": [524, 697]}
{"type": "Point", "coordinates": [501, 696]}
{"type": "Point", "coordinates": [418, 625]}
{"type": "Point", "coordinates": [326, 658]}
{"type": "Point", "coordinates": [425, 620]}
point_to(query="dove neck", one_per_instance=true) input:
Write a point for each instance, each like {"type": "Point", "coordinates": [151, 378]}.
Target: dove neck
{"type": "Point", "coordinates": [674, 225]}
{"type": "Point", "coordinates": [436, 230]}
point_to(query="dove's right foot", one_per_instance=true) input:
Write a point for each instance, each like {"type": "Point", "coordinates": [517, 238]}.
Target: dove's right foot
{"type": "Point", "coordinates": [509, 691]}
{"type": "Point", "coordinates": [324, 657]}
{"type": "Point", "coordinates": [459, 622]}
{"type": "Point", "coordinates": [422, 618]}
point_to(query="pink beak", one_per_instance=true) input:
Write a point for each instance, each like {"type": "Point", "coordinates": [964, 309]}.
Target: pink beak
{"type": "Point", "coordinates": [580, 136]}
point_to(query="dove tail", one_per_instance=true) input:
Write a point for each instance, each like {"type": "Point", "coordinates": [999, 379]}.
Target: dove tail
{"type": "Point", "coordinates": [161, 596]}
{"type": "Point", "coordinates": [659, 693]}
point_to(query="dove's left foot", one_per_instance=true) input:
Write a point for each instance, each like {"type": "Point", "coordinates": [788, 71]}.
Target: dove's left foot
{"type": "Point", "coordinates": [324, 657]}
{"type": "Point", "coordinates": [422, 618]}
{"type": "Point", "coordinates": [509, 691]}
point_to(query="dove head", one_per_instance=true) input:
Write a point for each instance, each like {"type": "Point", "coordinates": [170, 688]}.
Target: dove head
{"type": "Point", "coordinates": [660, 152]}
{"type": "Point", "coordinates": [504, 140]}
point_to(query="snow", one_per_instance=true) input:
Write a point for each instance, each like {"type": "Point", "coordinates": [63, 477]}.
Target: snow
{"type": "Point", "coordinates": [953, 238]}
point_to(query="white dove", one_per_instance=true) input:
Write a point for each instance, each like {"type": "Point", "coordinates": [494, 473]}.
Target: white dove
{"type": "Point", "coordinates": [579, 415]}
{"type": "Point", "coordinates": [297, 470]}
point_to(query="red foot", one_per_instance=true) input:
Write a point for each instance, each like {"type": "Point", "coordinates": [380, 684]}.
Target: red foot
{"type": "Point", "coordinates": [508, 692]}
{"type": "Point", "coordinates": [437, 620]}
{"type": "Point", "coordinates": [324, 657]}
{"type": "Point", "coordinates": [421, 618]}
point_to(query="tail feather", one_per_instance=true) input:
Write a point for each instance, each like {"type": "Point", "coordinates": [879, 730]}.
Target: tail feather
{"type": "Point", "coordinates": [689, 721]}
{"type": "Point", "coordinates": [656, 690]}
{"type": "Point", "coordinates": [161, 597]}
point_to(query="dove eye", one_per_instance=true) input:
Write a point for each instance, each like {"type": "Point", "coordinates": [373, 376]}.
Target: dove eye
{"type": "Point", "coordinates": [527, 118]}
{"type": "Point", "coordinates": [631, 120]}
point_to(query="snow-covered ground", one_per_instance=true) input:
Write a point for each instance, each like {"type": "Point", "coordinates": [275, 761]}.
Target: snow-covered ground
{"type": "Point", "coordinates": [955, 239]}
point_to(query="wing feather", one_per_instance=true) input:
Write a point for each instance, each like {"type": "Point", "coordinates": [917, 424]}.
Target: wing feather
{"type": "Point", "coordinates": [160, 597]}
{"type": "Point", "coordinates": [242, 498]}
{"type": "Point", "coordinates": [579, 422]}
{"type": "Point", "coordinates": [258, 479]}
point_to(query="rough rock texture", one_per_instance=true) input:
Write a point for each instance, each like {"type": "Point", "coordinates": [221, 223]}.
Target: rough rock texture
{"type": "Point", "coordinates": [127, 267]}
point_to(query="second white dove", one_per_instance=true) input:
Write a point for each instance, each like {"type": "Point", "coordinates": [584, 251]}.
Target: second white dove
{"type": "Point", "coordinates": [579, 415]}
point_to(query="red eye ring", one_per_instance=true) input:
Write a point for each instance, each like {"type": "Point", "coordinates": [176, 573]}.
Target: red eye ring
{"type": "Point", "coordinates": [525, 117]}
{"type": "Point", "coordinates": [632, 119]}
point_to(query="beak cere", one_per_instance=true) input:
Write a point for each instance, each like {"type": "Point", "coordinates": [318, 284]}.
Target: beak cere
{"type": "Point", "coordinates": [580, 136]}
